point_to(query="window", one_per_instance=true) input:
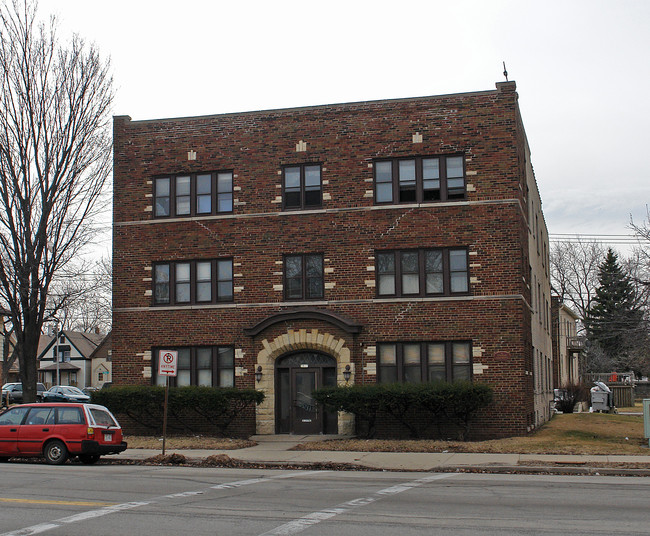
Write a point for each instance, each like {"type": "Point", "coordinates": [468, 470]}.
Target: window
{"type": "Point", "coordinates": [419, 180]}
{"type": "Point", "coordinates": [211, 366]}
{"type": "Point", "coordinates": [301, 186]}
{"type": "Point", "coordinates": [62, 350]}
{"type": "Point", "coordinates": [426, 272]}
{"type": "Point", "coordinates": [193, 282]}
{"type": "Point", "coordinates": [417, 362]}
{"type": "Point", "coordinates": [193, 194]}
{"type": "Point", "coordinates": [69, 416]}
{"type": "Point", "coordinates": [303, 277]}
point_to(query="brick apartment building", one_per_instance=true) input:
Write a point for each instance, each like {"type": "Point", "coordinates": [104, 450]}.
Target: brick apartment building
{"type": "Point", "coordinates": [396, 240]}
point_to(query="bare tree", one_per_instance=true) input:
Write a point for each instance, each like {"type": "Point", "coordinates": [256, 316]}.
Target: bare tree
{"type": "Point", "coordinates": [55, 150]}
{"type": "Point", "coordinates": [88, 297]}
{"type": "Point", "coordinates": [574, 273]}
{"type": "Point", "coordinates": [642, 251]}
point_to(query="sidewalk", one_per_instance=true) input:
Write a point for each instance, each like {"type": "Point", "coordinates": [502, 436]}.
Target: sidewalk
{"type": "Point", "coordinates": [274, 451]}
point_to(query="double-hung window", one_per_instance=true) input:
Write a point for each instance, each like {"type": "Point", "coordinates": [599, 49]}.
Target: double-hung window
{"type": "Point", "coordinates": [424, 272]}
{"type": "Point", "coordinates": [196, 194]}
{"type": "Point", "coordinates": [420, 179]}
{"type": "Point", "coordinates": [303, 277]}
{"type": "Point", "coordinates": [193, 282]}
{"type": "Point", "coordinates": [211, 366]}
{"type": "Point", "coordinates": [301, 186]}
{"type": "Point", "coordinates": [417, 362]}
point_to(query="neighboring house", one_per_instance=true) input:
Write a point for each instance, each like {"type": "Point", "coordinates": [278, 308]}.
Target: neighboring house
{"type": "Point", "coordinates": [101, 363]}
{"type": "Point", "coordinates": [567, 346]}
{"type": "Point", "coordinates": [68, 362]}
{"type": "Point", "coordinates": [397, 240]}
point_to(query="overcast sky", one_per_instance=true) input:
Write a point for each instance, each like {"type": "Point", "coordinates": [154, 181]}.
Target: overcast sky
{"type": "Point", "coordinates": [582, 71]}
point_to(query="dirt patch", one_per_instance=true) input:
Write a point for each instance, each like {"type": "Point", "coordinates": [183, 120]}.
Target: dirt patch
{"type": "Point", "coordinates": [188, 442]}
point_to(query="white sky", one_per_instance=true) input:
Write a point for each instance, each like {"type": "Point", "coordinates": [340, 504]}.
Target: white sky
{"type": "Point", "coordinates": [582, 70]}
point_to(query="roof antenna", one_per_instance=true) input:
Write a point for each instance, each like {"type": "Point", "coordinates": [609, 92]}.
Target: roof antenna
{"type": "Point", "coordinates": [505, 71]}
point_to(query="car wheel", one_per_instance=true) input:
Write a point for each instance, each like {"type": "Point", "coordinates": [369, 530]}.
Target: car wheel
{"type": "Point", "coordinates": [55, 452]}
{"type": "Point", "coordinates": [88, 459]}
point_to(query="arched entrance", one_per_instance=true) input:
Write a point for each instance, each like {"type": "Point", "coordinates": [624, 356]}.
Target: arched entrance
{"type": "Point", "coordinates": [297, 375]}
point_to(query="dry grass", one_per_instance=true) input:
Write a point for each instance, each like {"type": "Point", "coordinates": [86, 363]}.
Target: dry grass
{"type": "Point", "coordinates": [578, 433]}
{"type": "Point", "coordinates": [188, 442]}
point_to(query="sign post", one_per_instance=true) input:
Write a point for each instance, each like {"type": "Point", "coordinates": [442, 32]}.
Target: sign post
{"type": "Point", "coordinates": [167, 366]}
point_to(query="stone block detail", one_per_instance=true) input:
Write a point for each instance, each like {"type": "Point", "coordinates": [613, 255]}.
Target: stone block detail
{"type": "Point", "coordinates": [479, 368]}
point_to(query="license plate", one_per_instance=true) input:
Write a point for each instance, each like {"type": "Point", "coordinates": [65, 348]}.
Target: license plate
{"type": "Point", "coordinates": [108, 437]}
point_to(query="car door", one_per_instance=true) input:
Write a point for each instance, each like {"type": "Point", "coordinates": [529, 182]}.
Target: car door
{"type": "Point", "coordinates": [38, 425]}
{"type": "Point", "coordinates": [10, 422]}
{"type": "Point", "coordinates": [71, 426]}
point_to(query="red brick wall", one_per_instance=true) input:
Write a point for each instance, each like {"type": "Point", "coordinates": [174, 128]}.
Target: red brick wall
{"type": "Point", "coordinates": [344, 139]}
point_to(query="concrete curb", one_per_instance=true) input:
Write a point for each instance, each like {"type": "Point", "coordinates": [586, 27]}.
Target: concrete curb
{"type": "Point", "coordinates": [343, 466]}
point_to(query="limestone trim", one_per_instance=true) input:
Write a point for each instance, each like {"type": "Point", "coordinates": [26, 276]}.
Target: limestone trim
{"type": "Point", "coordinates": [290, 342]}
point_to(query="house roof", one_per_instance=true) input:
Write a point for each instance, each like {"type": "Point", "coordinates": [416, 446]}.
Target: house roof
{"type": "Point", "coordinates": [62, 366]}
{"type": "Point", "coordinates": [85, 343]}
{"type": "Point", "coordinates": [101, 352]}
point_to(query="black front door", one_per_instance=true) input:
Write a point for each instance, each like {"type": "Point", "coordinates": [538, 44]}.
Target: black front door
{"type": "Point", "coordinates": [298, 375]}
{"type": "Point", "coordinates": [307, 416]}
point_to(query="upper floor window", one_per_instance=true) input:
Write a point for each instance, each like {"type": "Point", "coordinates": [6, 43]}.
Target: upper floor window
{"type": "Point", "coordinates": [416, 362]}
{"type": "Point", "coordinates": [303, 277]}
{"type": "Point", "coordinates": [194, 194]}
{"type": "Point", "coordinates": [425, 272]}
{"type": "Point", "coordinates": [301, 186]}
{"type": "Point", "coordinates": [193, 282]}
{"type": "Point", "coordinates": [211, 366]}
{"type": "Point", "coordinates": [419, 180]}
{"type": "Point", "coordinates": [62, 350]}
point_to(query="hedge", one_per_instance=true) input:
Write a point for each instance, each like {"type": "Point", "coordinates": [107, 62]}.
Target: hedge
{"type": "Point", "coordinates": [416, 406]}
{"type": "Point", "coordinates": [144, 404]}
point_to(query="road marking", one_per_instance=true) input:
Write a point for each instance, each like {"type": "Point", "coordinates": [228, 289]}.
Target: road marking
{"type": "Point", "coordinates": [113, 508]}
{"type": "Point", "coordinates": [64, 503]}
{"type": "Point", "coordinates": [298, 525]}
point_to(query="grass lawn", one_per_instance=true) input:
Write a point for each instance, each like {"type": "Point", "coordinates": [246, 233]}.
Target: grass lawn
{"type": "Point", "coordinates": [577, 433]}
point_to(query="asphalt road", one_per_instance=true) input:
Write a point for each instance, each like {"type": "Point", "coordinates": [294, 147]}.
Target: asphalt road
{"type": "Point", "coordinates": [125, 500]}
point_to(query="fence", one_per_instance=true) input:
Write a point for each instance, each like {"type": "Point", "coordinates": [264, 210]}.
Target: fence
{"type": "Point", "coordinates": [610, 377]}
{"type": "Point", "coordinates": [623, 395]}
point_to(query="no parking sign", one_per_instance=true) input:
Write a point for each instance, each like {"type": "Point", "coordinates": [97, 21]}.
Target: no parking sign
{"type": "Point", "coordinates": [167, 362]}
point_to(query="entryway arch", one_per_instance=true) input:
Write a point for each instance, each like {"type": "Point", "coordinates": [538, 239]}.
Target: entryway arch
{"type": "Point", "coordinates": [291, 342]}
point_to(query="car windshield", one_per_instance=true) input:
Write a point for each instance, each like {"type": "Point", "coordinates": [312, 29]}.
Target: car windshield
{"type": "Point", "coordinates": [72, 391]}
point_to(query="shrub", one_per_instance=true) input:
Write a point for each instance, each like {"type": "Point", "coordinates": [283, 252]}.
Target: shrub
{"type": "Point", "coordinates": [456, 402]}
{"type": "Point", "coordinates": [360, 400]}
{"type": "Point", "coordinates": [144, 404]}
{"type": "Point", "coordinates": [570, 395]}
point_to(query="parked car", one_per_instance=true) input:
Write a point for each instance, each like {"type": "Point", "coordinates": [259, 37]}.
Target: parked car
{"type": "Point", "coordinates": [59, 431]}
{"type": "Point", "coordinates": [65, 393]}
{"type": "Point", "coordinates": [12, 393]}
{"type": "Point", "coordinates": [89, 390]}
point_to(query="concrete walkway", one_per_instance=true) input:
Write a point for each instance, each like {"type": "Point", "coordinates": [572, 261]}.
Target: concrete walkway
{"type": "Point", "coordinates": [275, 450]}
